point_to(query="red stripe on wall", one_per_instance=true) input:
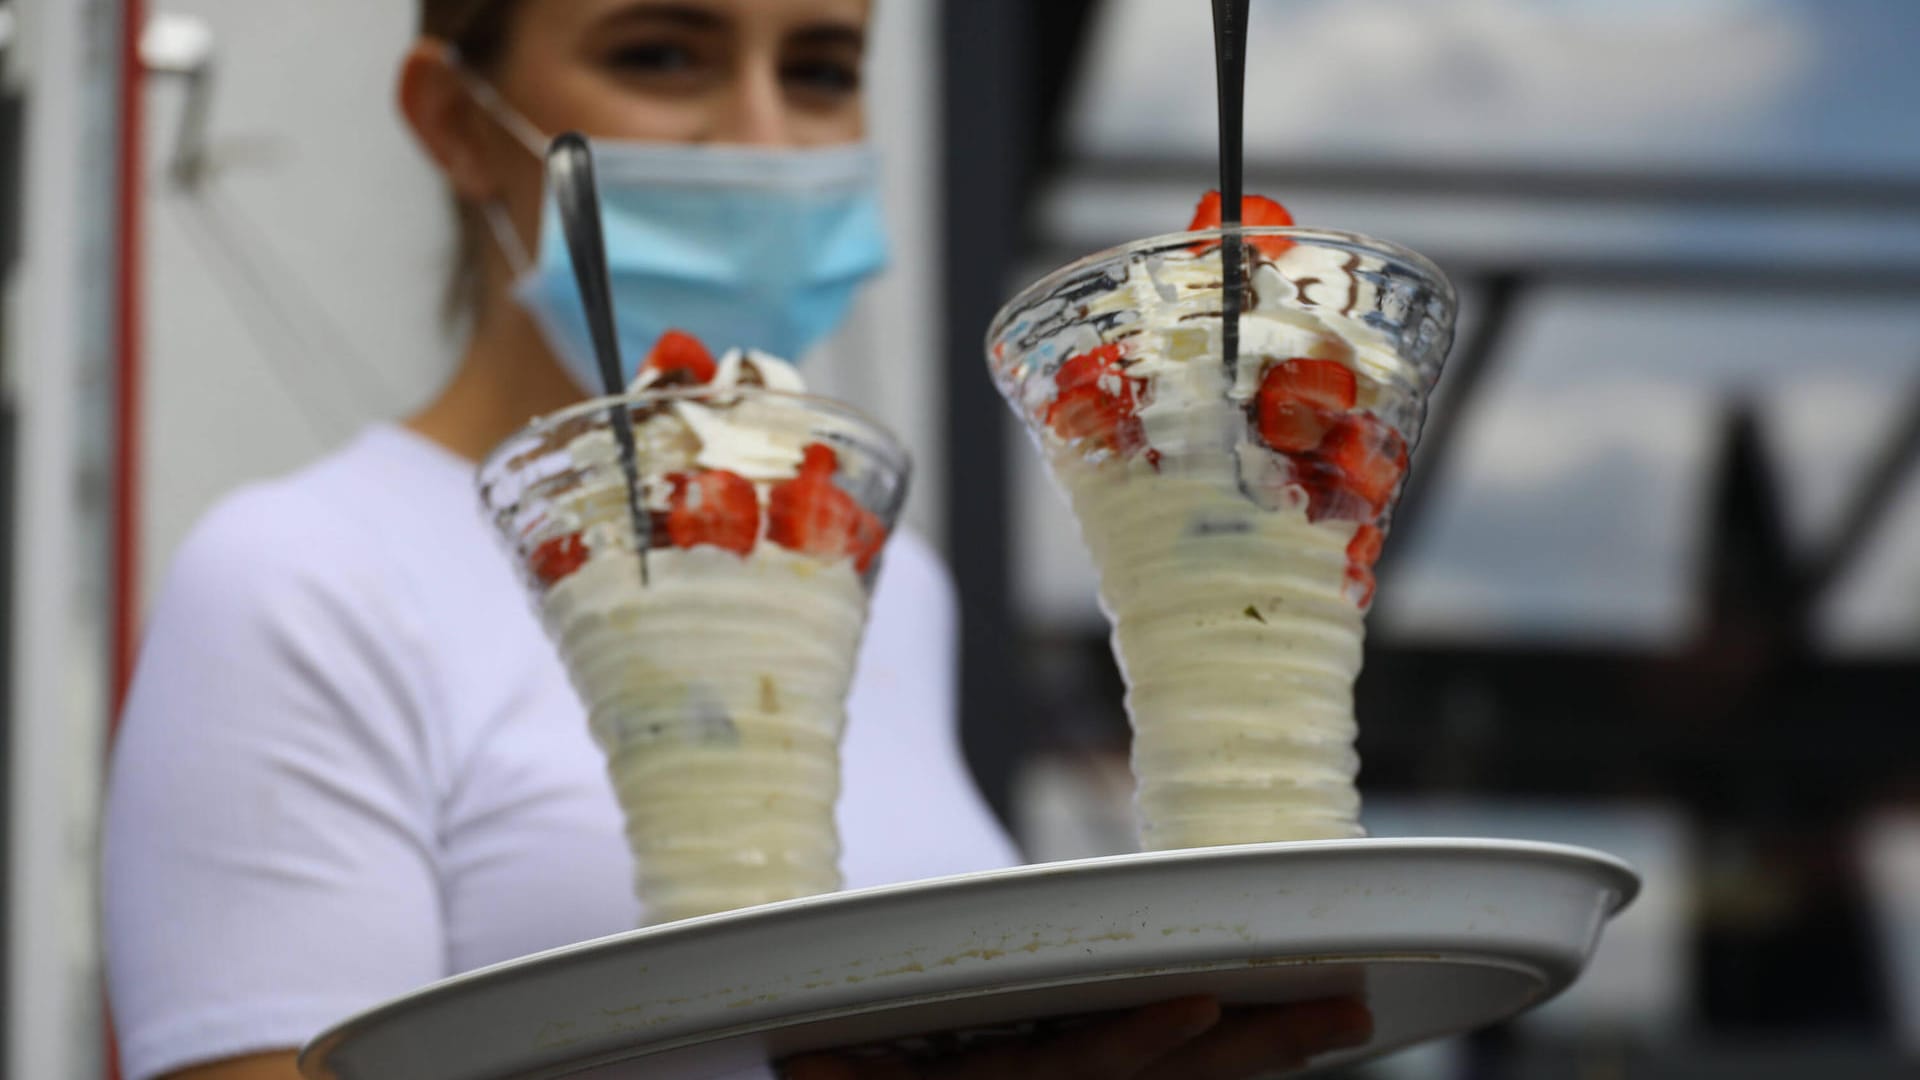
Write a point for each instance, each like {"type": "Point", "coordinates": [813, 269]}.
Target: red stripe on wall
{"type": "Point", "coordinates": [129, 322]}
{"type": "Point", "coordinates": [125, 570]}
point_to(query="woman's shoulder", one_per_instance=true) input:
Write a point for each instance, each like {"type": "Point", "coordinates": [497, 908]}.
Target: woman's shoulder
{"type": "Point", "coordinates": [331, 524]}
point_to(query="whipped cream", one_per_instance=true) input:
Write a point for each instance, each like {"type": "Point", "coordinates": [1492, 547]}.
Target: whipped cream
{"type": "Point", "coordinates": [753, 438]}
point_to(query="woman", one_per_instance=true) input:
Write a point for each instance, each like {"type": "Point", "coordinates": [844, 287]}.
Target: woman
{"type": "Point", "coordinates": [351, 764]}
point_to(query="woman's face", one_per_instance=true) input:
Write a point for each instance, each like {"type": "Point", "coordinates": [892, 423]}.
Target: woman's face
{"type": "Point", "coordinates": [773, 73]}
{"type": "Point", "coordinates": [764, 72]}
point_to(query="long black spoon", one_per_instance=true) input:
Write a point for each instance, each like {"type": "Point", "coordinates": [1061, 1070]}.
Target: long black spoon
{"type": "Point", "coordinates": [570, 178]}
{"type": "Point", "coordinates": [1230, 60]}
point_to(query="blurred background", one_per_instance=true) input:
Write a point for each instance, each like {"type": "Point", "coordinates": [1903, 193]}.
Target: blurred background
{"type": "Point", "coordinates": [1655, 587]}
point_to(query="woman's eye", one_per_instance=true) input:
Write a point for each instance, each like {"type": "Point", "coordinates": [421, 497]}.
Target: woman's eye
{"type": "Point", "coordinates": [654, 58]}
{"type": "Point", "coordinates": [822, 76]}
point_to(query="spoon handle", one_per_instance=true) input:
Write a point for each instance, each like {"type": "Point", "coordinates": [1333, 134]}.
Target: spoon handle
{"type": "Point", "coordinates": [570, 172]}
{"type": "Point", "coordinates": [570, 176]}
{"type": "Point", "coordinates": [1230, 60]}
{"type": "Point", "coordinates": [1230, 56]}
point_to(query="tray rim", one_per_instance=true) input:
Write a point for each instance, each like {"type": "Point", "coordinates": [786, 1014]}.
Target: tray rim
{"type": "Point", "coordinates": [1624, 881]}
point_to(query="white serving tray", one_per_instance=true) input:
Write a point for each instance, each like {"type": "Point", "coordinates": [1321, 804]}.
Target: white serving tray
{"type": "Point", "coordinates": [1440, 936]}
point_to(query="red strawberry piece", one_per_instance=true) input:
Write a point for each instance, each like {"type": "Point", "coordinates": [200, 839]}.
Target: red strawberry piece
{"type": "Point", "coordinates": [1095, 368]}
{"type": "Point", "coordinates": [811, 515]}
{"type": "Point", "coordinates": [713, 507]}
{"type": "Point", "coordinates": [1363, 551]}
{"type": "Point", "coordinates": [1364, 583]}
{"type": "Point", "coordinates": [1291, 427]}
{"type": "Point", "coordinates": [1300, 399]}
{"type": "Point", "coordinates": [1095, 401]}
{"type": "Point", "coordinates": [1255, 210]}
{"type": "Point", "coordinates": [1364, 548]}
{"type": "Point", "coordinates": [1328, 384]}
{"type": "Point", "coordinates": [558, 558]}
{"type": "Point", "coordinates": [679, 357]}
{"type": "Point", "coordinates": [1100, 419]}
{"type": "Point", "coordinates": [1328, 496]}
{"type": "Point", "coordinates": [1370, 456]}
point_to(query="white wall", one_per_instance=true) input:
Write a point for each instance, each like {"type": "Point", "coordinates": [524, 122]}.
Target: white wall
{"type": "Point", "coordinates": [59, 348]}
{"type": "Point", "coordinates": [294, 295]}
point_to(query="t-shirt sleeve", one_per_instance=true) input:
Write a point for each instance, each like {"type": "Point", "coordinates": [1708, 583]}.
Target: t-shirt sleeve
{"type": "Point", "coordinates": [270, 828]}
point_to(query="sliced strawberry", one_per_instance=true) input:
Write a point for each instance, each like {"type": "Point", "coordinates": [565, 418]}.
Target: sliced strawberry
{"type": "Point", "coordinates": [1370, 456]}
{"type": "Point", "coordinates": [1364, 549]}
{"type": "Point", "coordinates": [1364, 585]}
{"type": "Point", "coordinates": [1095, 401]}
{"type": "Point", "coordinates": [1328, 384]}
{"type": "Point", "coordinates": [1291, 427]}
{"type": "Point", "coordinates": [1299, 400]}
{"type": "Point", "coordinates": [680, 358]}
{"type": "Point", "coordinates": [1328, 496]}
{"type": "Point", "coordinates": [811, 515]}
{"type": "Point", "coordinates": [1098, 368]}
{"type": "Point", "coordinates": [557, 559]}
{"type": "Point", "coordinates": [1097, 418]}
{"type": "Point", "coordinates": [1255, 210]}
{"type": "Point", "coordinates": [713, 507]}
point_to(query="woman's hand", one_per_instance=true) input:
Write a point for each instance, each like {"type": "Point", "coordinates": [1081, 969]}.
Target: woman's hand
{"type": "Point", "coordinates": [1187, 1039]}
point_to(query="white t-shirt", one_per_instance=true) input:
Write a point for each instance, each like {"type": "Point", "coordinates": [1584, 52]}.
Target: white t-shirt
{"type": "Point", "coordinates": [352, 764]}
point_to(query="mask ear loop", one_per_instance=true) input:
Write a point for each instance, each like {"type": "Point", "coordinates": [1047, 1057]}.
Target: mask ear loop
{"type": "Point", "coordinates": [507, 237]}
{"type": "Point", "coordinates": [505, 234]}
{"type": "Point", "coordinates": [515, 122]}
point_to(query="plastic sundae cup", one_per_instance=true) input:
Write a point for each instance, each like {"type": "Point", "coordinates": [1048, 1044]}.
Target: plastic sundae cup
{"type": "Point", "coordinates": [1234, 506]}
{"type": "Point", "coordinates": [715, 675]}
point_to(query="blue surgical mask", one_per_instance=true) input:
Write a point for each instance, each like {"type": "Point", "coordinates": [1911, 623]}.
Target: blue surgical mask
{"type": "Point", "coordinates": [739, 246]}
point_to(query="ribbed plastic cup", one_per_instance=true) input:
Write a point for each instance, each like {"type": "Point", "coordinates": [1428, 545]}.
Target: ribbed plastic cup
{"type": "Point", "coordinates": [718, 687]}
{"type": "Point", "coordinates": [1233, 507]}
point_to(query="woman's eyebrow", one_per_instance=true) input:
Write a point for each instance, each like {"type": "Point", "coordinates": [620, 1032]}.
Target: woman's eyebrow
{"type": "Point", "coordinates": [830, 33]}
{"type": "Point", "coordinates": [684, 16]}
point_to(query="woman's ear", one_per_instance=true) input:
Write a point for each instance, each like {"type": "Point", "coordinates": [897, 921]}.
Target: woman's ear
{"type": "Point", "coordinates": [450, 125]}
